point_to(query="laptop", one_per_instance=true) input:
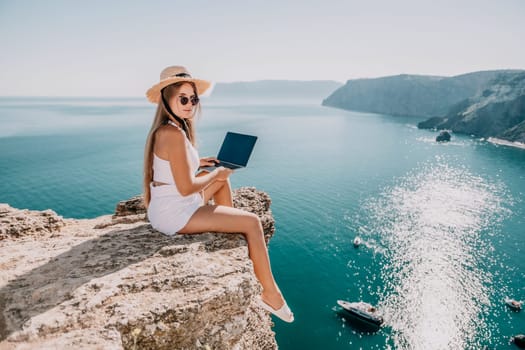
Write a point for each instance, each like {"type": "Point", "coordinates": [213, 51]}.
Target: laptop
{"type": "Point", "coordinates": [235, 151]}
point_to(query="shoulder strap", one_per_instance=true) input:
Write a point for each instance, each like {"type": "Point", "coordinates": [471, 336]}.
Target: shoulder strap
{"type": "Point", "coordinates": [175, 125]}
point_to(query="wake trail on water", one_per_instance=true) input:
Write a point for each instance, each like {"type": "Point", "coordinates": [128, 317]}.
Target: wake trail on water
{"type": "Point", "coordinates": [433, 228]}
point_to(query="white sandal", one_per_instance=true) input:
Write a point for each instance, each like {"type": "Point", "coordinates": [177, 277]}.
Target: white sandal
{"type": "Point", "coordinates": [284, 313]}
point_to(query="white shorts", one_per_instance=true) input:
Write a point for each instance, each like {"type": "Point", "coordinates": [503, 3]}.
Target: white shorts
{"type": "Point", "coordinates": [168, 211]}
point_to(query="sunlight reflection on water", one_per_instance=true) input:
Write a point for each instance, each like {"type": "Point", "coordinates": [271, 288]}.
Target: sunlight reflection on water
{"type": "Point", "coordinates": [431, 228]}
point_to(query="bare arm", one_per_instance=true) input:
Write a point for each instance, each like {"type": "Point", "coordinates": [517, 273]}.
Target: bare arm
{"type": "Point", "coordinates": [185, 180]}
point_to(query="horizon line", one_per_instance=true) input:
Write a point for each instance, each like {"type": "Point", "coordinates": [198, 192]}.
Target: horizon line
{"type": "Point", "coordinates": [271, 80]}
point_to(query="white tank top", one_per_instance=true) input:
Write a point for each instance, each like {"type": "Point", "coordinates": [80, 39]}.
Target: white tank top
{"type": "Point", "coordinates": [161, 167]}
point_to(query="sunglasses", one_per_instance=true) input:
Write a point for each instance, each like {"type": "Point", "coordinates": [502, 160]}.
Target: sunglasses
{"type": "Point", "coordinates": [184, 100]}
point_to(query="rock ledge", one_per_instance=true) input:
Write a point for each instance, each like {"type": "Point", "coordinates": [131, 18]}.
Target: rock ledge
{"type": "Point", "coordinates": [114, 282]}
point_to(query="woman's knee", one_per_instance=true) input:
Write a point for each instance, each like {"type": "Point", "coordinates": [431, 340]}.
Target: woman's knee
{"type": "Point", "coordinates": [253, 223]}
{"type": "Point", "coordinates": [226, 184]}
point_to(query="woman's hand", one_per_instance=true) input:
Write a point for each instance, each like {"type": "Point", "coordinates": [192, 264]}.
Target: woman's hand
{"type": "Point", "coordinates": [208, 161]}
{"type": "Point", "coordinates": [223, 173]}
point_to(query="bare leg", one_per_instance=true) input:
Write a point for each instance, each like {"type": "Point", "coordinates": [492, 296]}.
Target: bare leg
{"type": "Point", "coordinates": [221, 193]}
{"type": "Point", "coordinates": [231, 220]}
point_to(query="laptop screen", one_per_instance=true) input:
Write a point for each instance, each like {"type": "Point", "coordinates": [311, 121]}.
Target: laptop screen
{"type": "Point", "coordinates": [236, 148]}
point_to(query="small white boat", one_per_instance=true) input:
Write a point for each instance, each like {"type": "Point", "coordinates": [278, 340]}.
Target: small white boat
{"type": "Point", "coordinates": [357, 241]}
{"type": "Point", "coordinates": [513, 304]}
{"type": "Point", "coordinates": [363, 311]}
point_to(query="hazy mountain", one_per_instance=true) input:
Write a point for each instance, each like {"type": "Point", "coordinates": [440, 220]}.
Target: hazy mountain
{"type": "Point", "coordinates": [314, 90]}
{"type": "Point", "coordinates": [410, 95]}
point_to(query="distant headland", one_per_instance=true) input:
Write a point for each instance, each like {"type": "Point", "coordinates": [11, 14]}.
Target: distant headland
{"type": "Point", "coordinates": [488, 104]}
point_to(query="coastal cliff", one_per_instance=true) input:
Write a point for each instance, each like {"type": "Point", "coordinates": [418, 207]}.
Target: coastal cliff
{"type": "Point", "coordinates": [114, 282]}
{"type": "Point", "coordinates": [497, 111]}
{"type": "Point", "coordinates": [489, 104]}
{"type": "Point", "coordinates": [410, 95]}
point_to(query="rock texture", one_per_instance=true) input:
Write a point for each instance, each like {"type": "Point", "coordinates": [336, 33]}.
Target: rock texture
{"type": "Point", "coordinates": [110, 283]}
{"type": "Point", "coordinates": [17, 223]}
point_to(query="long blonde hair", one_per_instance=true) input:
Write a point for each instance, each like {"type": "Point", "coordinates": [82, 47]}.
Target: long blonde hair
{"type": "Point", "coordinates": [160, 119]}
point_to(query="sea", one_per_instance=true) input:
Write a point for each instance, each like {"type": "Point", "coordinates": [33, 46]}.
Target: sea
{"type": "Point", "coordinates": [442, 224]}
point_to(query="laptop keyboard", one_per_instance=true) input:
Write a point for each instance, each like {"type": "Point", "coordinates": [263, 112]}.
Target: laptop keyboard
{"type": "Point", "coordinates": [227, 165]}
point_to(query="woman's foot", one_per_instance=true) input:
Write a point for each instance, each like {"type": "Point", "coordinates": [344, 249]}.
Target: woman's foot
{"type": "Point", "coordinates": [275, 303]}
{"type": "Point", "coordinates": [275, 299]}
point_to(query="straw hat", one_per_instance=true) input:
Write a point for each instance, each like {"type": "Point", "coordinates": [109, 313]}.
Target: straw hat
{"type": "Point", "coordinates": [171, 75]}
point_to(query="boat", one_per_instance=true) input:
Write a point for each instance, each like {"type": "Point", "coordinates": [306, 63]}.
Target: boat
{"type": "Point", "coordinates": [519, 340]}
{"type": "Point", "coordinates": [362, 311]}
{"type": "Point", "coordinates": [357, 241]}
{"type": "Point", "coordinates": [513, 304]}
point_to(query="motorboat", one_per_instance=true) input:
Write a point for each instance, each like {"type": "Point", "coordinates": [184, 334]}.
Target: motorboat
{"type": "Point", "coordinates": [357, 241]}
{"type": "Point", "coordinates": [362, 311]}
{"type": "Point", "coordinates": [513, 304]}
{"type": "Point", "coordinates": [519, 340]}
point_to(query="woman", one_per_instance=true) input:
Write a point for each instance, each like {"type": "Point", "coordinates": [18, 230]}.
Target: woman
{"type": "Point", "coordinates": [176, 196]}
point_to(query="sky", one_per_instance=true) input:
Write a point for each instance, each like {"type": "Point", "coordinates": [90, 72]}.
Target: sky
{"type": "Point", "coordinates": [118, 48]}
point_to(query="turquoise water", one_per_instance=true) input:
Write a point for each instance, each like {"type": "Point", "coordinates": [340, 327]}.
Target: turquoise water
{"type": "Point", "coordinates": [442, 225]}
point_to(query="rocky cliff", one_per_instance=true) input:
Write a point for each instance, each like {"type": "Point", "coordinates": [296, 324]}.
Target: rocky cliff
{"type": "Point", "coordinates": [497, 111]}
{"type": "Point", "coordinates": [113, 282]}
{"type": "Point", "coordinates": [410, 95]}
